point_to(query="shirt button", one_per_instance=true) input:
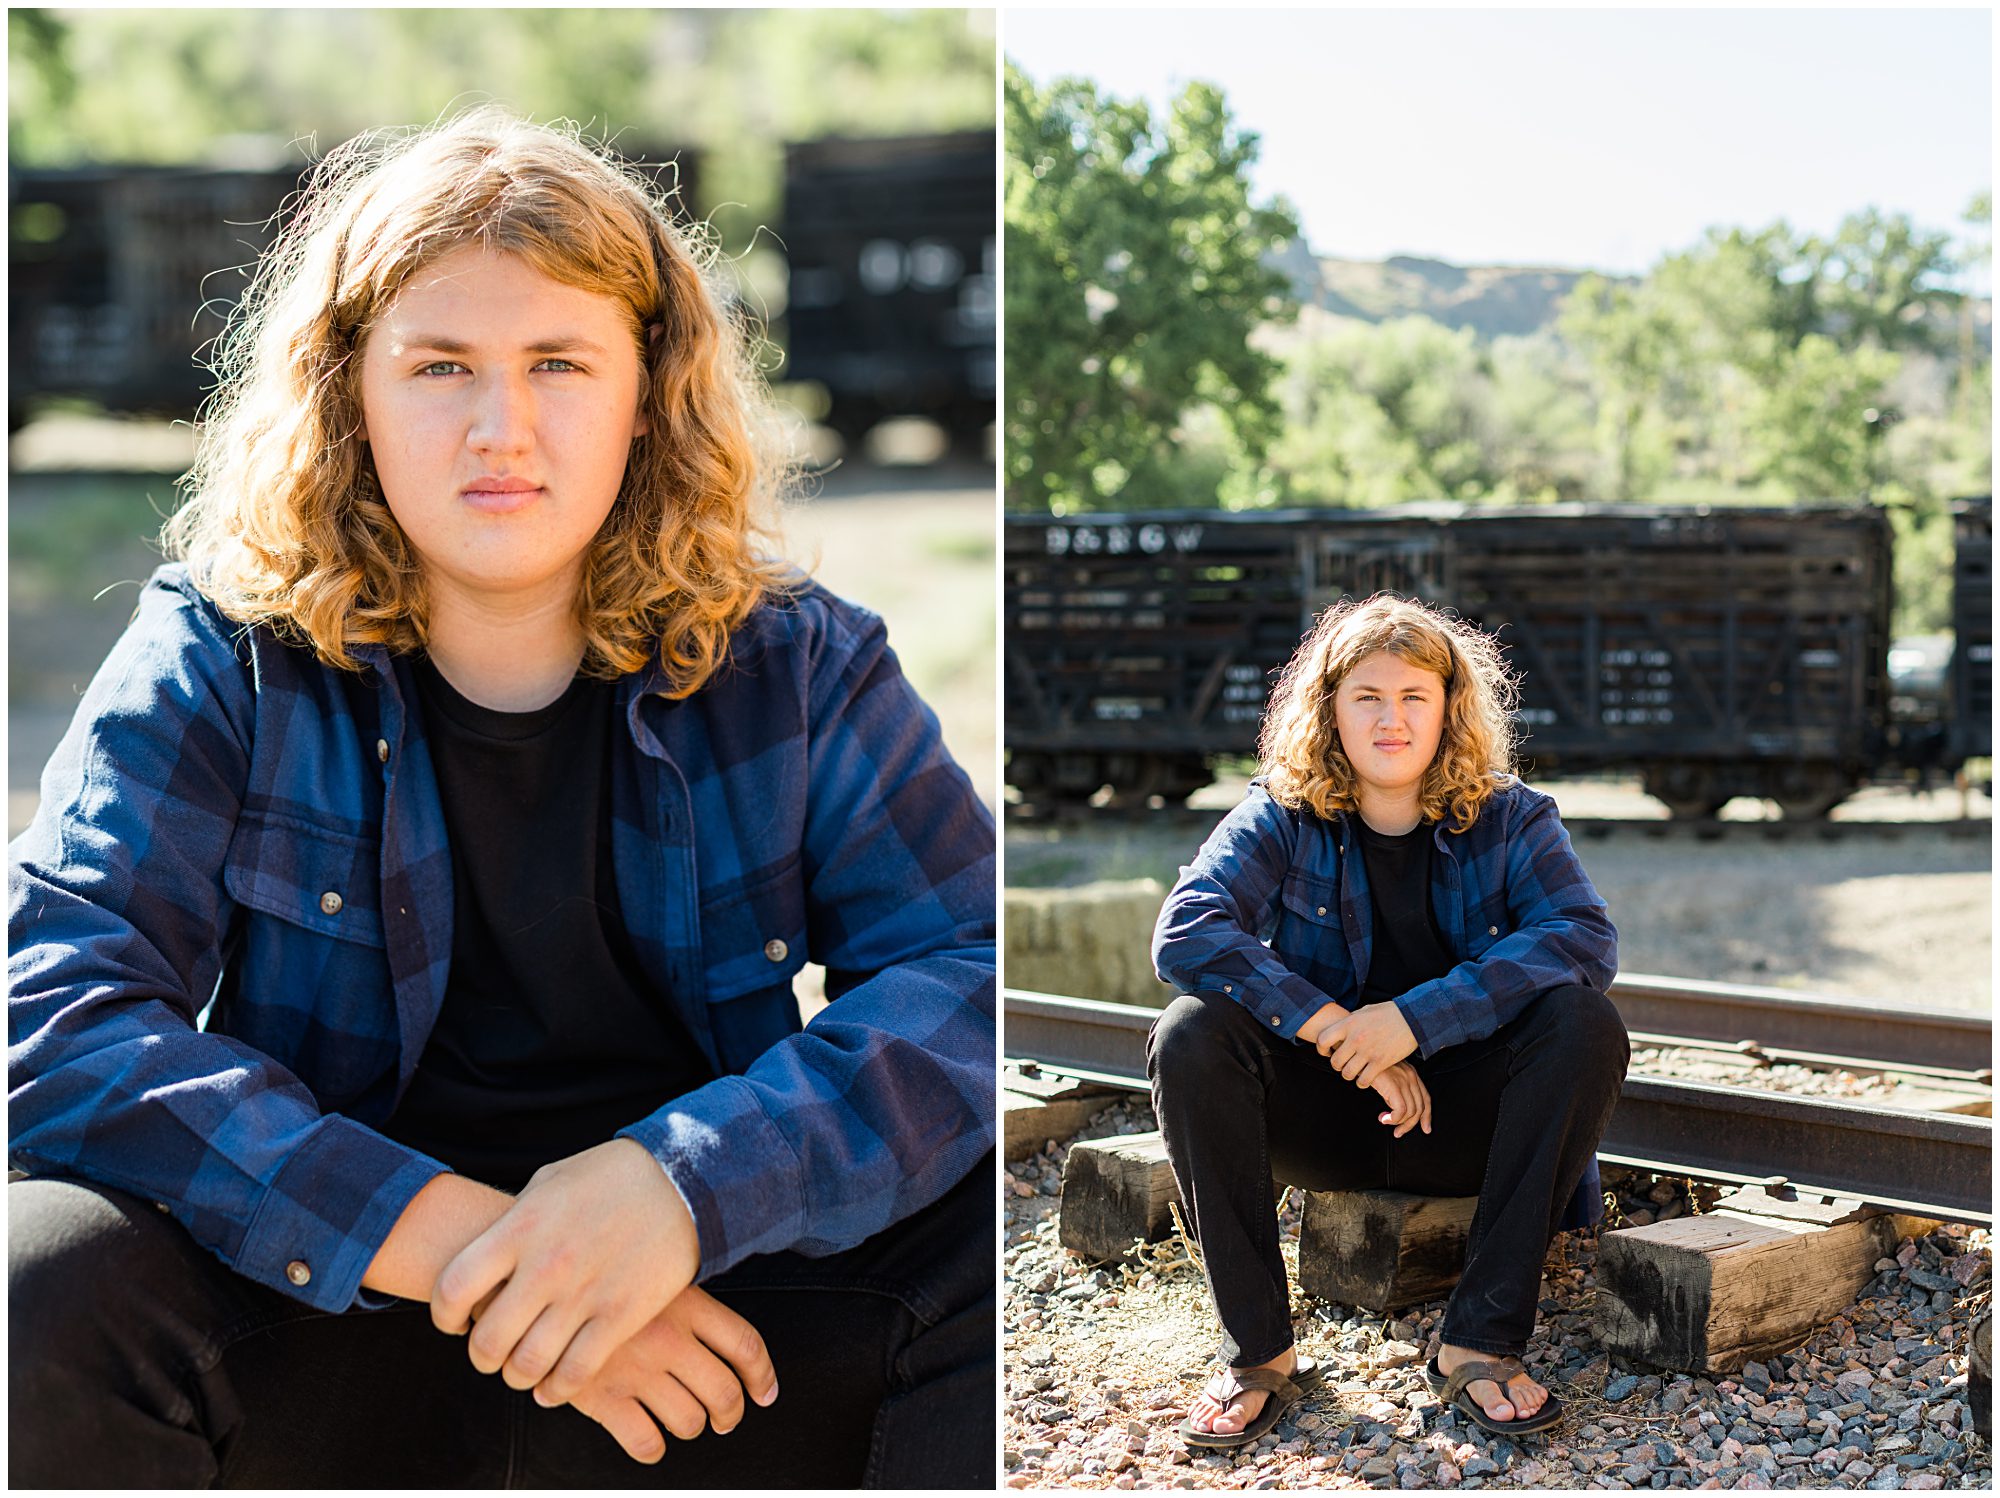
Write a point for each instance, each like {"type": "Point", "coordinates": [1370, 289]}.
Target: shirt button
{"type": "Point", "coordinates": [1274, 1019]}
{"type": "Point", "coordinates": [1492, 930]}
{"type": "Point", "coordinates": [297, 1272]}
{"type": "Point", "coordinates": [775, 950]}
{"type": "Point", "coordinates": [1229, 988]}
{"type": "Point", "coordinates": [1322, 910]}
{"type": "Point", "coordinates": [330, 903]}
{"type": "Point", "coordinates": [382, 750]}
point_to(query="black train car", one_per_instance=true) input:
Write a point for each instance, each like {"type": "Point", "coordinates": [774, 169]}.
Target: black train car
{"type": "Point", "coordinates": [120, 277]}
{"type": "Point", "coordinates": [892, 294]}
{"type": "Point", "coordinates": [1720, 651]}
{"type": "Point", "coordinates": [1971, 677]}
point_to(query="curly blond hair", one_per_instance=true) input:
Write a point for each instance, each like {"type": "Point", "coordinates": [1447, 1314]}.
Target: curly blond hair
{"type": "Point", "coordinates": [285, 519]}
{"type": "Point", "coordinates": [1303, 763]}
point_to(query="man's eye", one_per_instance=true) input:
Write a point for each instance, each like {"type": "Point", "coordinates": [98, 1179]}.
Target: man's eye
{"type": "Point", "coordinates": [444, 366]}
{"type": "Point", "coordinates": [567, 367]}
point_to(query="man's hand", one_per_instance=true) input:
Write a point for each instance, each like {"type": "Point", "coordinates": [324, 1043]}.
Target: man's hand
{"type": "Point", "coordinates": [689, 1366]}
{"type": "Point", "coordinates": [592, 1250]}
{"type": "Point", "coordinates": [1409, 1100]}
{"type": "Point", "coordinates": [1367, 1042]}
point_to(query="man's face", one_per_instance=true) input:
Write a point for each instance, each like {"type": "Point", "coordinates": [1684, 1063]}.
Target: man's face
{"type": "Point", "coordinates": [501, 407]}
{"type": "Point", "coordinates": [1390, 715]}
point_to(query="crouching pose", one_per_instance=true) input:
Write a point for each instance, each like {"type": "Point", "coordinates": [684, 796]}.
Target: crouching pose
{"type": "Point", "coordinates": [1428, 1016]}
{"type": "Point", "coordinates": [402, 953]}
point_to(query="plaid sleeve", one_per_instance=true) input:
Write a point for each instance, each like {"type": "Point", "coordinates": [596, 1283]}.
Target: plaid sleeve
{"type": "Point", "coordinates": [115, 914]}
{"type": "Point", "coordinates": [1560, 932]}
{"type": "Point", "coordinates": [887, 1098]}
{"type": "Point", "coordinates": [1206, 939]}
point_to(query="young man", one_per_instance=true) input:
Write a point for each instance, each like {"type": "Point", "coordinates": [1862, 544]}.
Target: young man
{"type": "Point", "coordinates": [413, 906]}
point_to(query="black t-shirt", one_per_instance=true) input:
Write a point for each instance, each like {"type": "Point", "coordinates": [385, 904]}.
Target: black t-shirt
{"type": "Point", "coordinates": [552, 1037]}
{"type": "Point", "coordinates": [1408, 946]}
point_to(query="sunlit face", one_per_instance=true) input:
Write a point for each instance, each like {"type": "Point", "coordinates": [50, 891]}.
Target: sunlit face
{"type": "Point", "coordinates": [1390, 715]}
{"type": "Point", "coordinates": [501, 407]}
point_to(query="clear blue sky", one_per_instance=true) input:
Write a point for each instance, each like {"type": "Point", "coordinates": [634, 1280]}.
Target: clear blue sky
{"type": "Point", "coordinates": [1587, 138]}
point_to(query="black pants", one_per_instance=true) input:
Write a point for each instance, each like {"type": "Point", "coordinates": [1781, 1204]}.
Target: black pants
{"type": "Point", "coordinates": [1515, 1119]}
{"type": "Point", "coordinates": [139, 1360]}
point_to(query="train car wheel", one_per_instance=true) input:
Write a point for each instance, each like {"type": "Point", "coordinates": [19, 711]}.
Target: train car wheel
{"type": "Point", "coordinates": [1806, 793]}
{"type": "Point", "coordinates": [1690, 793]}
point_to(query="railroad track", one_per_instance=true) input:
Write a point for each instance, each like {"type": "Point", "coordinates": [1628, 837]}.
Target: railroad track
{"type": "Point", "coordinates": [1936, 1164]}
{"type": "Point", "coordinates": [1581, 829]}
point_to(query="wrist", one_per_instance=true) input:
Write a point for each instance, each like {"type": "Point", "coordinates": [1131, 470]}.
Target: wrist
{"type": "Point", "coordinates": [440, 1220]}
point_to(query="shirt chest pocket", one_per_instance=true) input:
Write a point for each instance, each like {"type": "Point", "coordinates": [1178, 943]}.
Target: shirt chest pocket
{"type": "Point", "coordinates": [1310, 901]}
{"type": "Point", "coordinates": [753, 944]}
{"type": "Point", "coordinates": [309, 984]}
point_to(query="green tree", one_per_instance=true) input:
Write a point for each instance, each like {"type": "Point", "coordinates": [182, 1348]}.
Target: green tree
{"type": "Point", "coordinates": [1135, 274]}
{"type": "Point", "coordinates": [1637, 348]}
{"type": "Point", "coordinates": [1389, 413]}
{"type": "Point", "coordinates": [171, 86]}
{"type": "Point", "coordinates": [1877, 282]}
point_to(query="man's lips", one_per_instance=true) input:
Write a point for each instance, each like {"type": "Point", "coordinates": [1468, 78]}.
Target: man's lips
{"type": "Point", "coordinates": [498, 496]}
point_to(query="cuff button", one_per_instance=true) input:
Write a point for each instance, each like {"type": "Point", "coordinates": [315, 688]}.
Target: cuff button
{"type": "Point", "coordinates": [1229, 988]}
{"type": "Point", "coordinates": [1492, 930]}
{"type": "Point", "coordinates": [775, 950]}
{"type": "Point", "coordinates": [297, 1272]}
{"type": "Point", "coordinates": [1274, 1019]}
{"type": "Point", "coordinates": [330, 903]}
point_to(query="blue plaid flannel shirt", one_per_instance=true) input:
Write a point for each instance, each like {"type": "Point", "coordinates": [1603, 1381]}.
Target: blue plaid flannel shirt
{"type": "Point", "coordinates": [230, 921]}
{"type": "Point", "coordinates": [1517, 911]}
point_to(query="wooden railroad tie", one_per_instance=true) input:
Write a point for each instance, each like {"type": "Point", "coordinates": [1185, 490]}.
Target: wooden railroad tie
{"type": "Point", "coordinates": [1042, 1104]}
{"type": "Point", "coordinates": [1381, 1250]}
{"type": "Point", "coordinates": [1704, 1294]}
{"type": "Point", "coordinates": [1752, 1277]}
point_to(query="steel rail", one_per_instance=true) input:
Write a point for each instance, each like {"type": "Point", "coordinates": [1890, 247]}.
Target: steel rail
{"type": "Point", "coordinates": [1778, 1019]}
{"type": "Point", "coordinates": [1933, 1163]}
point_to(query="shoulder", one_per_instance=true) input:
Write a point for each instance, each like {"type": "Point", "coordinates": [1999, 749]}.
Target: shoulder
{"type": "Point", "coordinates": [807, 635]}
{"type": "Point", "coordinates": [1516, 822]}
{"type": "Point", "coordinates": [177, 648]}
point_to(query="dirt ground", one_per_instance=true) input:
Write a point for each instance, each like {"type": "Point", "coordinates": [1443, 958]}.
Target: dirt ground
{"type": "Point", "coordinates": [1903, 920]}
{"type": "Point", "coordinates": [914, 544]}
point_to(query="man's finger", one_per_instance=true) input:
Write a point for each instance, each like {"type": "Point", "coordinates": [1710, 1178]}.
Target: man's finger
{"type": "Point", "coordinates": [537, 1350]}
{"type": "Point", "coordinates": [679, 1411]}
{"type": "Point", "coordinates": [496, 1334]}
{"type": "Point", "coordinates": [631, 1427]}
{"type": "Point", "coordinates": [737, 1343]}
{"type": "Point", "coordinates": [470, 1279]}
{"type": "Point", "coordinates": [594, 1342]}
{"type": "Point", "coordinates": [714, 1385]}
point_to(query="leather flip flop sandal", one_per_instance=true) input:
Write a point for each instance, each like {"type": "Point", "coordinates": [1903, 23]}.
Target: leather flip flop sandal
{"type": "Point", "coordinates": [1280, 1392]}
{"type": "Point", "coordinates": [1452, 1390]}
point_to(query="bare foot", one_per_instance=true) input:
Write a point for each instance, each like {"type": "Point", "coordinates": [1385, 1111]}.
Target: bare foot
{"type": "Point", "coordinates": [1518, 1401]}
{"type": "Point", "coordinates": [1211, 1414]}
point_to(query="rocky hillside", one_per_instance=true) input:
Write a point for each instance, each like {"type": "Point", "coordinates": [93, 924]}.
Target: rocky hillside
{"type": "Point", "coordinates": [1489, 299]}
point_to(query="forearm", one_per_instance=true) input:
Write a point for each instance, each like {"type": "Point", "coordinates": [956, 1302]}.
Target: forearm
{"type": "Point", "coordinates": [440, 1220]}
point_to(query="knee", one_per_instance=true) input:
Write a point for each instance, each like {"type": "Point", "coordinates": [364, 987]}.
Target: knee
{"type": "Point", "coordinates": [1586, 1026]}
{"type": "Point", "coordinates": [1188, 1037]}
{"type": "Point", "coordinates": [74, 1251]}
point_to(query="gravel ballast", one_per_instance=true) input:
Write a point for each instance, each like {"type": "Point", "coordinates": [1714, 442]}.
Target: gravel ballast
{"type": "Point", "coordinates": [1102, 1362]}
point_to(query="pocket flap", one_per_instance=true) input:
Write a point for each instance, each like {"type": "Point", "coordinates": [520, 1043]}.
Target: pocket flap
{"type": "Point", "coordinates": [1311, 899]}
{"type": "Point", "coordinates": [324, 881]}
{"type": "Point", "coordinates": [755, 940]}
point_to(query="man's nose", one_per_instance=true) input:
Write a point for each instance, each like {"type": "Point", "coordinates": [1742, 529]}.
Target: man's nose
{"type": "Point", "coordinates": [503, 417]}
